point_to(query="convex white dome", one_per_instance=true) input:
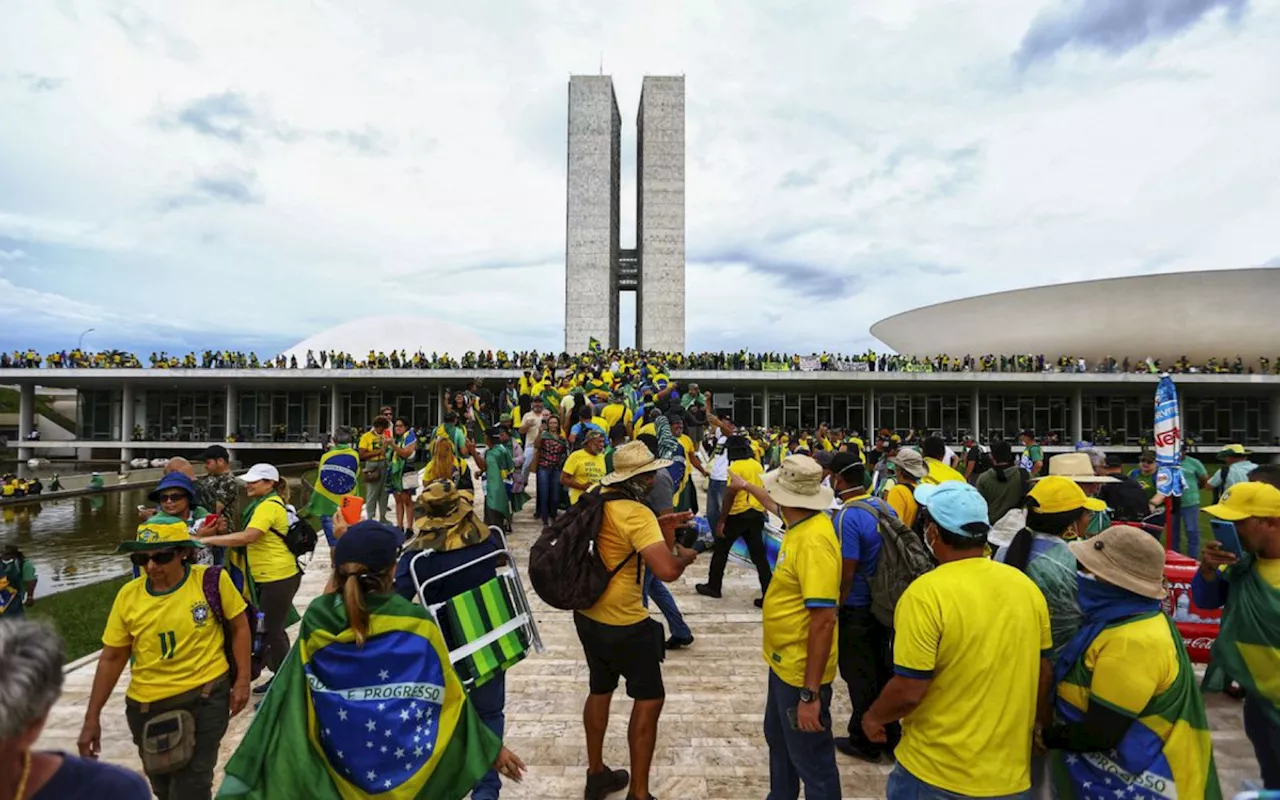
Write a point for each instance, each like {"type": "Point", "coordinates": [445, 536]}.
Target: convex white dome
{"type": "Point", "coordinates": [382, 334]}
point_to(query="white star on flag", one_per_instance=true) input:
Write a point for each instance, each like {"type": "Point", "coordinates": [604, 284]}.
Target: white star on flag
{"type": "Point", "coordinates": [339, 754]}
{"type": "Point", "coordinates": [386, 732]}
{"type": "Point", "coordinates": [383, 675]}
{"type": "Point", "coordinates": [342, 714]}
{"type": "Point", "coordinates": [368, 744]}
{"type": "Point", "coordinates": [386, 784]}
{"type": "Point", "coordinates": [371, 775]}
{"type": "Point", "coordinates": [399, 752]}
{"type": "Point", "coordinates": [417, 751]}
{"type": "Point", "coordinates": [382, 706]}
{"type": "Point", "coordinates": [371, 726]}
{"type": "Point", "coordinates": [418, 715]}
{"type": "Point", "coordinates": [404, 715]}
{"type": "Point", "coordinates": [383, 748]}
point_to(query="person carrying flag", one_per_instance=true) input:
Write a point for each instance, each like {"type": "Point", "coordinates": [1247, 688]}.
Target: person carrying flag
{"type": "Point", "coordinates": [1247, 649]}
{"type": "Point", "coordinates": [336, 478]}
{"type": "Point", "coordinates": [368, 702]}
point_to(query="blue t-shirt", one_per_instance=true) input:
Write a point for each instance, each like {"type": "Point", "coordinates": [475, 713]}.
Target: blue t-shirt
{"type": "Point", "coordinates": [79, 778]}
{"type": "Point", "coordinates": [860, 541]}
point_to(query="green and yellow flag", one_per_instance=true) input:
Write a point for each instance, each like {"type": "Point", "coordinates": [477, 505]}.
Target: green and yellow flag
{"type": "Point", "coordinates": [1247, 649]}
{"type": "Point", "coordinates": [388, 720]}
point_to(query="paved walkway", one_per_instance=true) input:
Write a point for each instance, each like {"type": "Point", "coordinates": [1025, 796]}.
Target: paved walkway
{"type": "Point", "coordinates": [710, 741]}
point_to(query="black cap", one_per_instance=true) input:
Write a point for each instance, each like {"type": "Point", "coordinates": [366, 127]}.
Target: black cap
{"type": "Point", "coordinates": [371, 543]}
{"type": "Point", "coordinates": [1027, 432]}
{"type": "Point", "coordinates": [214, 451]}
{"type": "Point", "coordinates": [1115, 460]}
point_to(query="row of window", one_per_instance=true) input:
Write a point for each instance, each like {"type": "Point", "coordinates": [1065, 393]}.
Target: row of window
{"type": "Point", "coordinates": [306, 415]}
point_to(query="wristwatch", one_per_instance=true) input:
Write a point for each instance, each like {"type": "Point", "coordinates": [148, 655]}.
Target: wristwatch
{"type": "Point", "coordinates": [808, 695]}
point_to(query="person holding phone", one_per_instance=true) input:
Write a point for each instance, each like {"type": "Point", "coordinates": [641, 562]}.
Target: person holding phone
{"type": "Point", "coordinates": [1240, 573]}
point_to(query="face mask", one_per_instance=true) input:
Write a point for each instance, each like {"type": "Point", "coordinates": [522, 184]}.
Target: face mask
{"type": "Point", "coordinates": [1086, 576]}
{"type": "Point", "coordinates": [928, 541]}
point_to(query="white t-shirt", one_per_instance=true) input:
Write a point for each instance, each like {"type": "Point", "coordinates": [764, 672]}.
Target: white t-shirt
{"type": "Point", "coordinates": [536, 420]}
{"type": "Point", "coordinates": [720, 460]}
{"type": "Point", "coordinates": [949, 457]}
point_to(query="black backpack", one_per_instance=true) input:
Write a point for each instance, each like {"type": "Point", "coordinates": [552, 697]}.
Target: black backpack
{"type": "Point", "coordinates": [301, 537]}
{"type": "Point", "coordinates": [565, 566]}
{"type": "Point", "coordinates": [903, 558]}
{"type": "Point", "coordinates": [257, 627]}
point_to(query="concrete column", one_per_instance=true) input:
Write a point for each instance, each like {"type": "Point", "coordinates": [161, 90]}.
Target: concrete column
{"type": "Point", "coordinates": [766, 406]}
{"type": "Point", "coordinates": [26, 418]}
{"type": "Point", "coordinates": [974, 419]}
{"type": "Point", "coordinates": [870, 413]}
{"type": "Point", "coordinates": [233, 409]}
{"type": "Point", "coordinates": [1275, 424]}
{"type": "Point", "coordinates": [126, 421]}
{"type": "Point", "coordinates": [333, 409]}
{"type": "Point", "coordinates": [1077, 415]}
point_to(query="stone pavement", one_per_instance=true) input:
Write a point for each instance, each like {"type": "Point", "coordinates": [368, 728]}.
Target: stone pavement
{"type": "Point", "coordinates": [710, 740]}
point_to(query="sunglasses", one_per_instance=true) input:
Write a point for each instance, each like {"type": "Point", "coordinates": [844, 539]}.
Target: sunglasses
{"type": "Point", "coordinates": [161, 558]}
{"type": "Point", "coordinates": [172, 497]}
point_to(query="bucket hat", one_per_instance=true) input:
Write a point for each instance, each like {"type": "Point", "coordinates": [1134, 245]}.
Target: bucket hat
{"type": "Point", "coordinates": [1075, 466]}
{"type": "Point", "coordinates": [910, 462]}
{"type": "Point", "coordinates": [630, 460]}
{"type": "Point", "coordinates": [174, 480]}
{"type": "Point", "coordinates": [798, 484]}
{"type": "Point", "coordinates": [446, 518]}
{"type": "Point", "coordinates": [1124, 556]}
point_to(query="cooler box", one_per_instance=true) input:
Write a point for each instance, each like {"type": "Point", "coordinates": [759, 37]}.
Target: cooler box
{"type": "Point", "coordinates": [1198, 627]}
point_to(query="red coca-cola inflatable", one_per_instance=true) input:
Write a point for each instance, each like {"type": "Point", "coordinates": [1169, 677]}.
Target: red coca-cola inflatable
{"type": "Point", "coordinates": [1199, 627]}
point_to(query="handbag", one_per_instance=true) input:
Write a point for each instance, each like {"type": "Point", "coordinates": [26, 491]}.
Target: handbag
{"type": "Point", "coordinates": [410, 480]}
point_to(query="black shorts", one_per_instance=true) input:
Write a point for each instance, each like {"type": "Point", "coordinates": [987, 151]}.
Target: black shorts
{"type": "Point", "coordinates": [634, 652]}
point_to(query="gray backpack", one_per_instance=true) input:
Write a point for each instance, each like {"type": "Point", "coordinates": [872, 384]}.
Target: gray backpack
{"type": "Point", "coordinates": [903, 558]}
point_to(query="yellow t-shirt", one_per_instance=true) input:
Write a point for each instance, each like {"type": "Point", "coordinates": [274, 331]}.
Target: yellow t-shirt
{"type": "Point", "coordinates": [978, 630]}
{"type": "Point", "coordinates": [649, 428]}
{"type": "Point", "coordinates": [807, 577]}
{"type": "Point", "coordinates": [750, 471]}
{"type": "Point", "coordinates": [374, 442]}
{"type": "Point", "coordinates": [628, 527]}
{"type": "Point", "coordinates": [1131, 665]}
{"type": "Point", "coordinates": [175, 640]}
{"type": "Point", "coordinates": [687, 444]}
{"type": "Point", "coordinates": [940, 473]}
{"type": "Point", "coordinates": [902, 500]}
{"type": "Point", "coordinates": [269, 557]}
{"type": "Point", "coordinates": [612, 414]}
{"type": "Point", "coordinates": [584, 467]}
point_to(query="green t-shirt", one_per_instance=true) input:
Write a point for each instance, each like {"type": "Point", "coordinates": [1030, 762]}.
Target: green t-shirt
{"type": "Point", "coordinates": [1193, 470]}
{"type": "Point", "coordinates": [1148, 482]}
{"type": "Point", "coordinates": [498, 464]}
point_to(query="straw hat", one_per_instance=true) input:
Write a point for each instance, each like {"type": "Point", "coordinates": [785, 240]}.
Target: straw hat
{"type": "Point", "coordinates": [798, 484]}
{"type": "Point", "coordinates": [447, 519]}
{"type": "Point", "coordinates": [1076, 466]}
{"type": "Point", "coordinates": [630, 460]}
{"type": "Point", "coordinates": [1124, 556]}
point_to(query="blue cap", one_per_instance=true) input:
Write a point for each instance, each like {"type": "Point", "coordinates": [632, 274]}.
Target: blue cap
{"type": "Point", "coordinates": [371, 543]}
{"type": "Point", "coordinates": [174, 480]}
{"type": "Point", "coordinates": [955, 505]}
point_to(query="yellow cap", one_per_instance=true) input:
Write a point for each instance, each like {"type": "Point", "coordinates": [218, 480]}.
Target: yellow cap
{"type": "Point", "coordinates": [1055, 494]}
{"type": "Point", "coordinates": [1245, 500]}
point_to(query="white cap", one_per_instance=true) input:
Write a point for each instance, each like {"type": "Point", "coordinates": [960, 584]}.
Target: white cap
{"type": "Point", "coordinates": [261, 472]}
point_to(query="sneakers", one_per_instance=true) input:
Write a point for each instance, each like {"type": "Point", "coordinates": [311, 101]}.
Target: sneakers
{"type": "Point", "coordinates": [845, 745]}
{"type": "Point", "coordinates": [758, 602]}
{"type": "Point", "coordinates": [705, 590]}
{"type": "Point", "coordinates": [677, 642]}
{"type": "Point", "coordinates": [605, 783]}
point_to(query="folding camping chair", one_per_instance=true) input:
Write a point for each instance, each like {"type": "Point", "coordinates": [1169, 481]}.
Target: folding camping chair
{"type": "Point", "coordinates": [488, 629]}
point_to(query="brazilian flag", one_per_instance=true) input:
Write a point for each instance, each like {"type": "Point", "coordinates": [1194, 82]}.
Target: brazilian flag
{"type": "Point", "coordinates": [593, 344]}
{"type": "Point", "coordinates": [388, 720]}
{"type": "Point", "coordinates": [1247, 649]}
{"type": "Point", "coordinates": [339, 470]}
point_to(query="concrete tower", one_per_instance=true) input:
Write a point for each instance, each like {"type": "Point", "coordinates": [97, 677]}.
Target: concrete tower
{"type": "Point", "coordinates": [596, 269]}
{"type": "Point", "coordinates": [592, 218]}
{"type": "Point", "coordinates": [660, 215]}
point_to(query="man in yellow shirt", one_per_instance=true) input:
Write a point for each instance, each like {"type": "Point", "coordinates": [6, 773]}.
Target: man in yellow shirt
{"type": "Point", "coordinates": [585, 467]}
{"type": "Point", "coordinates": [800, 632]}
{"type": "Point", "coordinates": [934, 450]}
{"type": "Point", "coordinates": [970, 661]}
{"type": "Point", "coordinates": [617, 635]}
{"type": "Point", "coordinates": [745, 520]}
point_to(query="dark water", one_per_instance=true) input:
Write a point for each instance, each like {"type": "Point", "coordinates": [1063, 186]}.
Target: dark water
{"type": "Point", "coordinates": [72, 541]}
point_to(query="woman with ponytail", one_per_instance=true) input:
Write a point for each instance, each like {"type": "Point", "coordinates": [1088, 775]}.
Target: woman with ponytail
{"type": "Point", "coordinates": [1004, 485]}
{"type": "Point", "coordinates": [368, 701]}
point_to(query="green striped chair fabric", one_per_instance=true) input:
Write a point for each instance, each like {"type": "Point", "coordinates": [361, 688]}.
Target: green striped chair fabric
{"type": "Point", "coordinates": [484, 633]}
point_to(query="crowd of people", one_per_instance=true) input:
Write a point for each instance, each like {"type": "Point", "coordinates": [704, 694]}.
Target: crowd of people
{"type": "Point", "coordinates": [993, 613]}
{"type": "Point", "coordinates": [532, 360]}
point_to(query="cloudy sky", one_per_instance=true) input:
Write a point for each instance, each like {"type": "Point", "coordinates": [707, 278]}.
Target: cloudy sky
{"type": "Point", "coordinates": [178, 175]}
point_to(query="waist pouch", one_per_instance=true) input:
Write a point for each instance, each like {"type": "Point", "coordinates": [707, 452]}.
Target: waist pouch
{"type": "Point", "coordinates": [169, 738]}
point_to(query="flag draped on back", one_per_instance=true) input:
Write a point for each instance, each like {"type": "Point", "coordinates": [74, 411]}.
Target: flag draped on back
{"type": "Point", "coordinates": [1247, 649]}
{"type": "Point", "coordinates": [390, 720]}
{"type": "Point", "coordinates": [338, 475]}
{"type": "Point", "coordinates": [1166, 753]}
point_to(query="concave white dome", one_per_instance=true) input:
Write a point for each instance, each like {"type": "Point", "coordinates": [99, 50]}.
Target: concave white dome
{"type": "Point", "coordinates": [383, 334]}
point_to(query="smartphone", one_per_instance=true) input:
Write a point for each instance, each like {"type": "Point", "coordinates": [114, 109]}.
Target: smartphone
{"type": "Point", "coordinates": [1227, 536]}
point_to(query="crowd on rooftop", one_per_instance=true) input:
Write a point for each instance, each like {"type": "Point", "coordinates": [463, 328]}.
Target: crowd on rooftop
{"type": "Point", "coordinates": [869, 361]}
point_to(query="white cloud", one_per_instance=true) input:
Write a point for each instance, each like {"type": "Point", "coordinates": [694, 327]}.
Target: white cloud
{"type": "Point", "coordinates": [300, 162]}
{"type": "Point", "coordinates": [16, 254]}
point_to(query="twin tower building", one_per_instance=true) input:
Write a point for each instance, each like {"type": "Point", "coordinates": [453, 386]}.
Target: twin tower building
{"type": "Point", "coordinates": [597, 268]}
